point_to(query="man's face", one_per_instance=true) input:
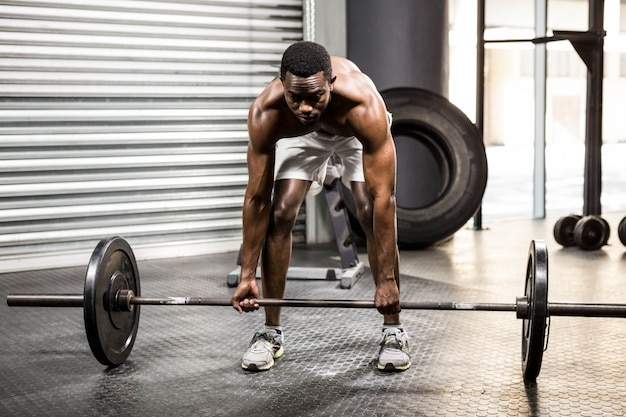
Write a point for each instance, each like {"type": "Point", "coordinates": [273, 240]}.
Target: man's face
{"type": "Point", "coordinates": [307, 97]}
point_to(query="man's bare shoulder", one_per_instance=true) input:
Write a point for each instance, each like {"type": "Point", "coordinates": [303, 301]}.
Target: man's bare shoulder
{"type": "Point", "coordinates": [343, 65]}
{"type": "Point", "coordinates": [351, 83]}
{"type": "Point", "coordinates": [355, 95]}
{"type": "Point", "coordinates": [271, 97]}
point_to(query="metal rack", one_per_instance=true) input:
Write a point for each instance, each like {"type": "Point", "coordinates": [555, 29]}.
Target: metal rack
{"type": "Point", "coordinates": [589, 231]}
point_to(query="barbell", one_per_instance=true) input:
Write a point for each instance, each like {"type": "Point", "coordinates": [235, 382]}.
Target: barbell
{"type": "Point", "coordinates": [111, 304]}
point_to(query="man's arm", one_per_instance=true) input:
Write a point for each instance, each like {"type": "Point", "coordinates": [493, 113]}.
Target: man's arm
{"type": "Point", "coordinates": [256, 205]}
{"type": "Point", "coordinates": [379, 166]}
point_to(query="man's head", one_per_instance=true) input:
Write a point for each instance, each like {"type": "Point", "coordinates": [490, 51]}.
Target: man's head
{"type": "Point", "coordinates": [304, 59]}
{"type": "Point", "coordinates": [306, 73]}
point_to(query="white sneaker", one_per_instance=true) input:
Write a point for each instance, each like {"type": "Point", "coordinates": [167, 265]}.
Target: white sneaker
{"type": "Point", "coordinates": [394, 350]}
{"type": "Point", "coordinates": [265, 346]}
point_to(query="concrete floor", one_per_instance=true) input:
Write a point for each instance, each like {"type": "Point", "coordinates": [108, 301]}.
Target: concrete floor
{"type": "Point", "coordinates": [186, 360]}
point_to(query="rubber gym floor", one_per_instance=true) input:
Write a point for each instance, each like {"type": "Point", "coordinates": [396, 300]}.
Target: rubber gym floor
{"type": "Point", "coordinates": [186, 359]}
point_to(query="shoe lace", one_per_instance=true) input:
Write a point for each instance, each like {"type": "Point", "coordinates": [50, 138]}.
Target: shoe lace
{"type": "Point", "coordinates": [391, 340]}
{"type": "Point", "coordinates": [258, 336]}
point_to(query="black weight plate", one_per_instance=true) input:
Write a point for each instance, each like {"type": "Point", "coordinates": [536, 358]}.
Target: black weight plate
{"type": "Point", "coordinates": [111, 333]}
{"type": "Point", "coordinates": [534, 327]}
{"type": "Point", "coordinates": [564, 230]}
{"type": "Point", "coordinates": [621, 231]}
{"type": "Point", "coordinates": [590, 233]}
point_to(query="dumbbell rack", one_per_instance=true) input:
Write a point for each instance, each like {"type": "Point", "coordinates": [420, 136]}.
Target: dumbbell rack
{"type": "Point", "coordinates": [589, 231]}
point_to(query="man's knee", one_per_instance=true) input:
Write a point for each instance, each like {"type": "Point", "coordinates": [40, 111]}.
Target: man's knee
{"type": "Point", "coordinates": [283, 217]}
{"type": "Point", "coordinates": [365, 215]}
{"type": "Point", "coordinates": [288, 197]}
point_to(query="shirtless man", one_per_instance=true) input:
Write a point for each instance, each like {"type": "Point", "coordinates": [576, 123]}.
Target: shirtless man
{"type": "Point", "coordinates": [319, 105]}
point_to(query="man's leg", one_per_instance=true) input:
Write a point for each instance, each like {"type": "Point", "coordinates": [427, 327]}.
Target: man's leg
{"type": "Point", "coordinates": [288, 197]}
{"type": "Point", "coordinates": [267, 344]}
{"type": "Point", "coordinates": [393, 355]}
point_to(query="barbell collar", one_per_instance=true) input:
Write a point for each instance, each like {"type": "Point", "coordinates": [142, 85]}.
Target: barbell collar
{"type": "Point", "coordinates": [522, 308]}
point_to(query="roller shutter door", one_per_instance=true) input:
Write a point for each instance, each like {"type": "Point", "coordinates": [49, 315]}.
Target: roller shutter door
{"type": "Point", "coordinates": [128, 118]}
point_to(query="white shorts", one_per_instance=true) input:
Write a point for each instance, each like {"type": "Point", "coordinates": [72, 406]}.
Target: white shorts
{"type": "Point", "coordinates": [306, 158]}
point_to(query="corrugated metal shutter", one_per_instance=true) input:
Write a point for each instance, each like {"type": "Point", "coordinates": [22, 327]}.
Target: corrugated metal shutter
{"type": "Point", "coordinates": [128, 118]}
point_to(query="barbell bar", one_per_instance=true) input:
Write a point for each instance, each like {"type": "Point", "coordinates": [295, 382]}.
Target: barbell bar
{"type": "Point", "coordinates": [126, 298]}
{"type": "Point", "coordinates": [111, 304]}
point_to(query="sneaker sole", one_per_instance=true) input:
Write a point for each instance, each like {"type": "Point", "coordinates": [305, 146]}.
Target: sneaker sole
{"type": "Point", "coordinates": [389, 367]}
{"type": "Point", "coordinates": [253, 367]}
